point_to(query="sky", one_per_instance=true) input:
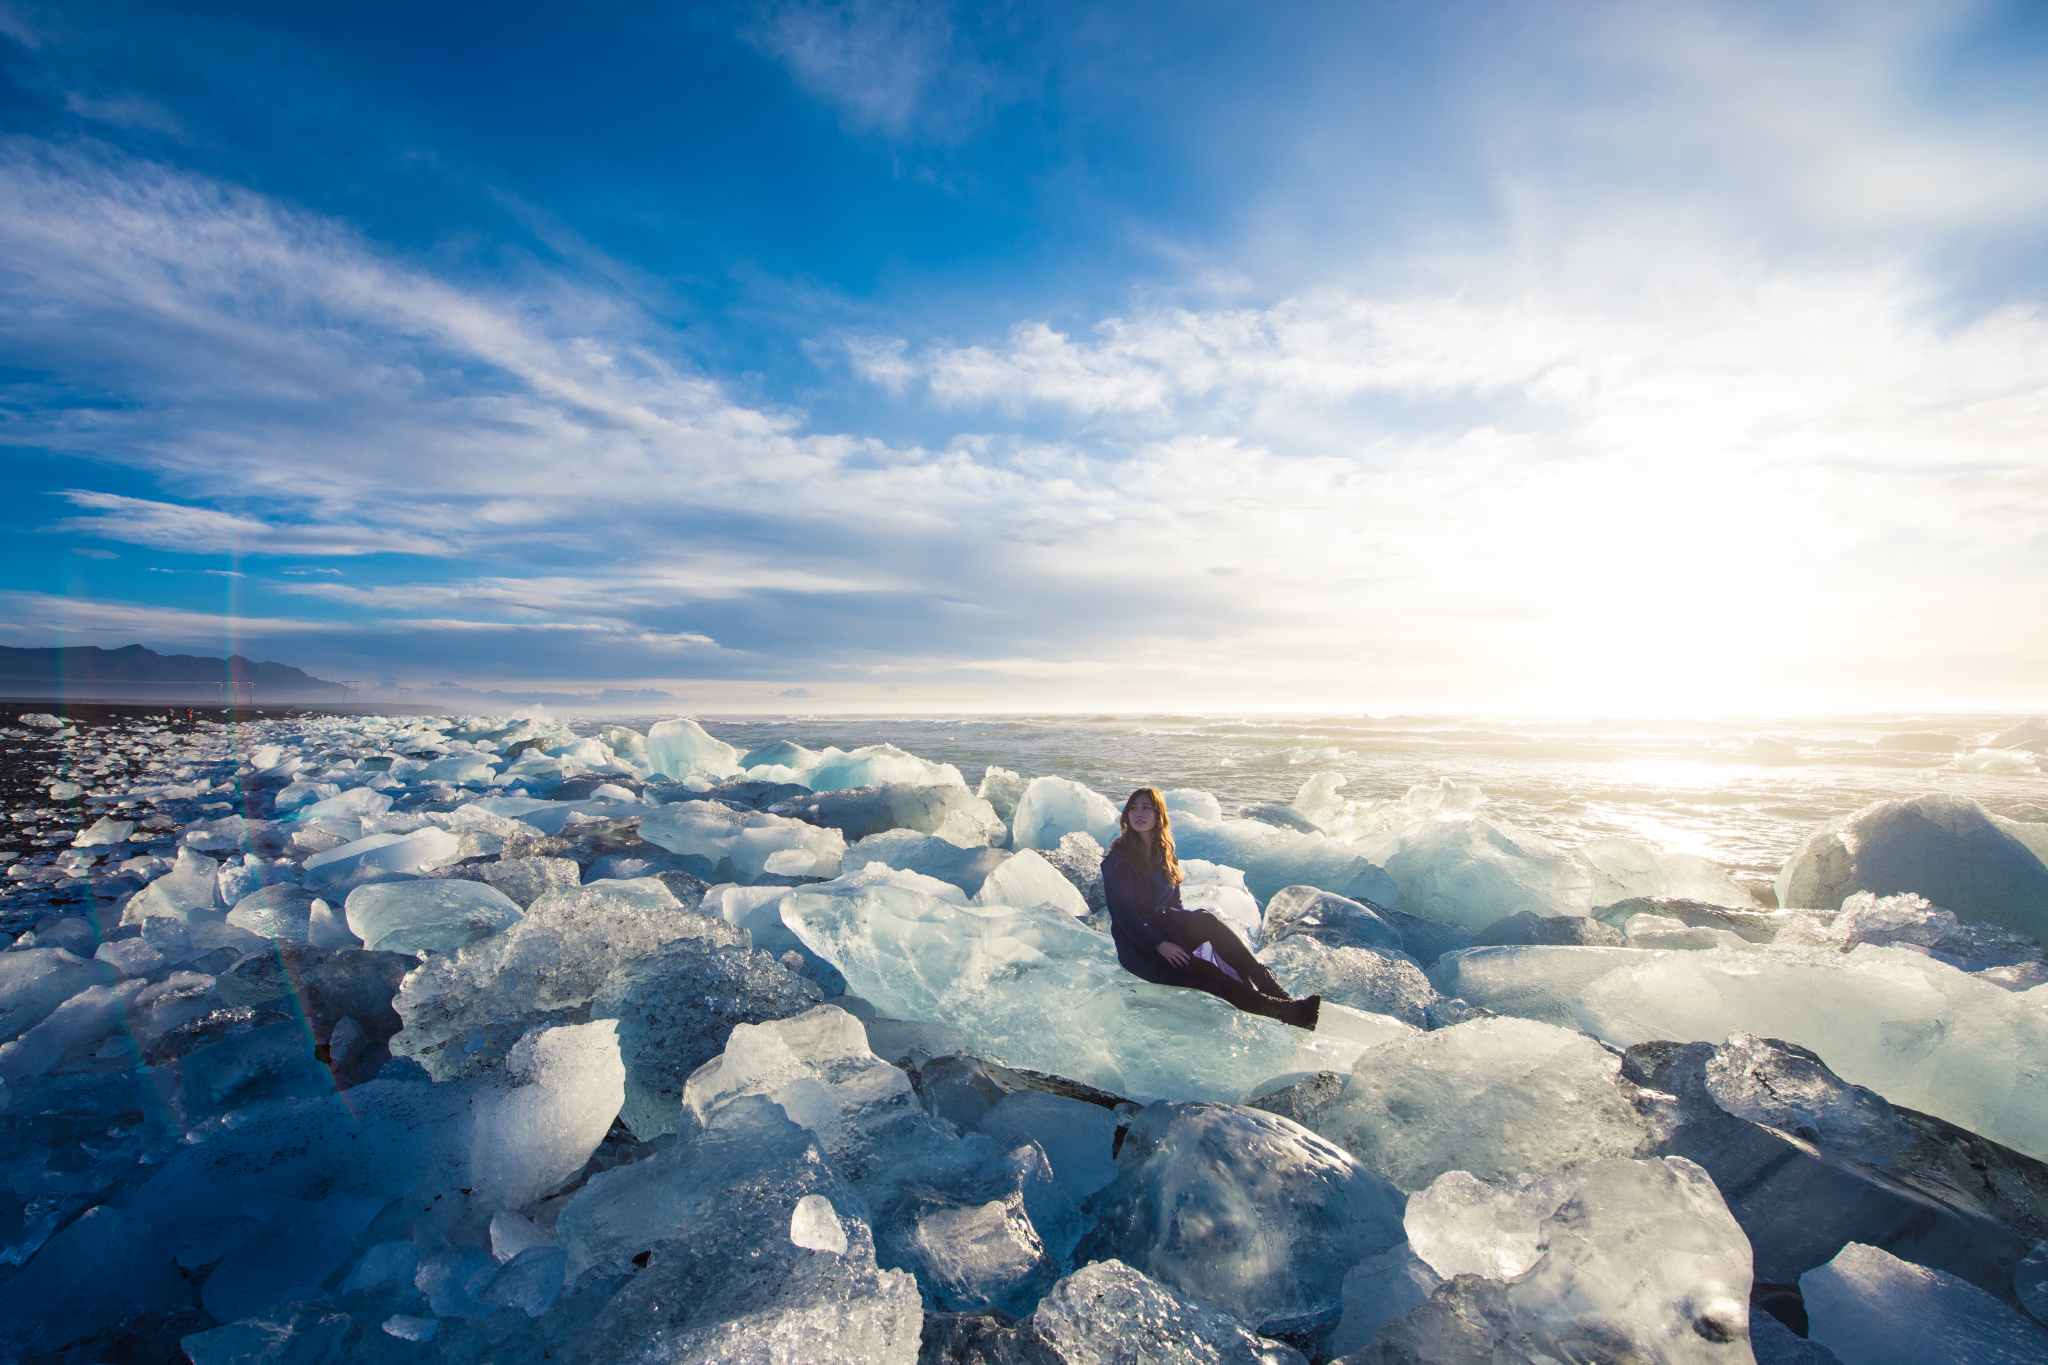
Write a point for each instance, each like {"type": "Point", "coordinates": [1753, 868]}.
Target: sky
{"type": "Point", "coordinates": [1643, 358]}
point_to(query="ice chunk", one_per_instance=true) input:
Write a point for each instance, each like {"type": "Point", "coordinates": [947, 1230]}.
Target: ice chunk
{"type": "Point", "coordinates": [1333, 920]}
{"type": "Point", "coordinates": [679, 748]}
{"type": "Point", "coordinates": [744, 841]}
{"type": "Point", "coordinates": [82, 1020]}
{"type": "Point", "coordinates": [35, 981]}
{"type": "Point", "coordinates": [1053, 806]}
{"type": "Point", "coordinates": [512, 1233]}
{"type": "Point", "coordinates": [130, 956]}
{"type": "Point", "coordinates": [736, 1288]}
{"type": "Point", "coordinates": [189, 888]}
{"type": "Point", "coordinates": [525, 880]}
{"type": "Point", "coordinates": [1472, 871]}
{"type": "Point", "coordinates": [677, 1006]}
{"type": "Point", "coordinates": [751, 1148]}
{"type": "Point", "coordinates": [1244, 1210]}
{"type": "Point", "coordinates": [1192, 801]}
{"type": "Point", "coordinates": [106, 1265]}
{"type": "Point", "coordinates": [275, 1061]}
{"type": "Point", "coordinates": [1616, 1260]}
{"type": "Point", "coordinates": [1946, 848]}
{"type": "Point", "coordinates": [1624, 869]}
{"type": "Point", "coordinates": [1221, 891]}
{"type": "Point", "coordinates": [529, 1283]}
{"type": "Point", "coordinates": [104, 832]}
{"type": "Point", "coordinates": [1528, 982]}
{"type": "Point", "coordinates": [407, 1327]}
{"type": "Point", "coordinates": [815, 1225]}
{"type": "Point", "coordinates": [874, 764]}
{"type": "Point", "coordinates": [1662, 933]}
{"type": "Point", "coordinates": [862, 811]}
{"type": "Point", "coordinates": [1378, 1290]}
{"type": "Point", "coordinates": [1274, 858]}
{"type": "Point", "coordinates": [354, 804]}
{"type": "Point", "coordinates": [1509, 1100]}
{"type": "Point", "coordinates": [384, 1263]}
{"type": "Point", "coordinates": [1088, 1320]}
{"type": "Point", "coordinates": [282, 912]}
{"type": "Point", "coordinates": [965, 867]}
{"type": "Point", "coordinates": [1075, 1135]}
{"type": "Point", "coordinates": [415, 852]}
{"type": "Point", "coordinates": [1358, 977]}
{"type": "Point", "coordinates": [1871, 1308]}
{"type": "Point", "coordinates": [1002, 789]}
{"type": "Point", "coordinates": [461, 1013]}
{"type": "Point", "coordinates": [426, 916]}
{"type": "Point", "coordinates": [537, 1122]}
{"type": "Point", "coordinates": [1027, 881]}
{"type": "Point", "coordinates": [288, 1255]}
{"type": "Point", "coordinates": [1787, 1087]}
{"type": "Point", "coordinates": [326, 929]}
{"type": "Point", "coordinates": [981, 1225]}
{"type": "Point", "coordinates": [1915, 1030]}
{"type": "Point", "coordinates": [817, 1066]}
{"type": "Point", "coordinates": [1037, 989]}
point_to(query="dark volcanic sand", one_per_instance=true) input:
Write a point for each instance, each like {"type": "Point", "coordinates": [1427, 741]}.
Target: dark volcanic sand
{"type": "Point", "coordinates": [35, 828]}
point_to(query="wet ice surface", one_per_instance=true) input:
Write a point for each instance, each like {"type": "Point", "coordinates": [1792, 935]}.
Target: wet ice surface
{"type": "Point", "coordinates": [480, 1038]}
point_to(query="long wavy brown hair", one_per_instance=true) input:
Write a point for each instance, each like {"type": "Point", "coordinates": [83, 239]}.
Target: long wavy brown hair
{"type": "Point", "coordinates": [1153, 852]}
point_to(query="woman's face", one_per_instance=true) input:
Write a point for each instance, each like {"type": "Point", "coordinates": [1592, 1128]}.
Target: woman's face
{"type": "Point", "coordinates": [1141, 816]}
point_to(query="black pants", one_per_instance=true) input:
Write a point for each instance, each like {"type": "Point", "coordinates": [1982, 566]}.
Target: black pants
{"type": "Point", "coordinates": [1257, 990]}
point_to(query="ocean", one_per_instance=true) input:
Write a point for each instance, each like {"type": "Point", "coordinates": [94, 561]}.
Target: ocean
{"type": "Point", "coordinates": [1741, 791]}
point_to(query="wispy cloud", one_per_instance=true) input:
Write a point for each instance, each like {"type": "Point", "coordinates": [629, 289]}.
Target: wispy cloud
{"type": "Point", "coordinates": [895, 67]}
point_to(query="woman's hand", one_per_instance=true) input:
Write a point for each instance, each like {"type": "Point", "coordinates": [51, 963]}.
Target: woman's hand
{"type": "Point", "coordinates": [1176, 956]}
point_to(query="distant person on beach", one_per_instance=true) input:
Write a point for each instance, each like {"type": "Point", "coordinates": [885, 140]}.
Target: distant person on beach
{"type": "Point", "coordinates": [1161, 941]}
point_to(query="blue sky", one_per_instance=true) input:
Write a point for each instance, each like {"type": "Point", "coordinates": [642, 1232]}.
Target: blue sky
{"type": "Point", "coordinates": [1576, 356]}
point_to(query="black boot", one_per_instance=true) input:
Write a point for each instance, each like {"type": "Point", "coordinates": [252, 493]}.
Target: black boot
{"type": "Point", "coordinates": [1303, 1013]}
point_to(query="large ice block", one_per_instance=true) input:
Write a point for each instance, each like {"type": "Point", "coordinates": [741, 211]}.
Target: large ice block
{"type": "Point", "coordinates": [1077, 1137]}
{"type": "Point", "coordinates": [1615, 1260]}
{"type": "Point", "coordinates": [1053, 806]}
{"type": "Point", "coordinates": [1946, 848]}
{"type": "Point", "coordinates": [750, 843]}
{"type": "Point", "coordinates": [1027, 881]}
{"type": "Point", "coordinates": [1913, 1029]}
{"type": "Point", "coordinates": [1472, 871]}
{"type": "Point", "coordinates": [1245, 1211]}
{"type": "Point", "coordinates": [751, 1146]}
{"type": "Point", "coordinates": [35, 981]}
{"type": "Point", "coordinates": [1871, 1308]}
{"type": "Point", "coordinates": [675, 1009]}
{"type": "Point", "coordinates": [1624, 869]}
{"type": "Point", "coordinates": [418, 851]}
{"type": "Point", "coordinates": [730, 1284]}
{"type": "Point", "coordinates": [817, 1066]}
{"type": "Point", "coordinates": [981, 1224]}
{"type": "Point", "coordinates": [463, 1012]}
{"type": "Point", "coordinates": [1273, 858]}
{"type": "Point", "coordinates": [1528, 982]}
{"type": "Point", "coordinates": [1330, 919]}
{"type": "Point", "coordinates": [1358, 977]}
{"type": "Point", "coordinates": [1222, 892]}
{"type": "Point", "coordinates": [190, 888]}
{"type": "Point", "coordinates": [1509, 1100]}
{"type": "Point", "coordinates": [437, 916]}
{"type": "Point", "coordinates": [678, 749]}
{"type": "Point", "coordinates": [874, 764]}
{"type": "Point", "coordinates": [968, 868]}
{"type": "Point", "coordinates": [1035, 988]}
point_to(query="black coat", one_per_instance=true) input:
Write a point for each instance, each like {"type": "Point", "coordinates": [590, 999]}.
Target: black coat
{"type": "Point", "coordinates": [1144, 911]}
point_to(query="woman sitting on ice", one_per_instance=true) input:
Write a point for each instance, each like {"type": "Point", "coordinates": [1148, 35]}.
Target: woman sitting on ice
{"type": "Point", "coordinates": [1159, 940]}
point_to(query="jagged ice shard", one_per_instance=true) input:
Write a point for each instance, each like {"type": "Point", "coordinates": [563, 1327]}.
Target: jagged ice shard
{"type": "Point", "coordinates": [1035, 988]}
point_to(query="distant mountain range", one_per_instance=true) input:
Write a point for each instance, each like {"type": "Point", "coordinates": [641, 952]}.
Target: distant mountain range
{"type": "Point", "coordinates": [88, 669]}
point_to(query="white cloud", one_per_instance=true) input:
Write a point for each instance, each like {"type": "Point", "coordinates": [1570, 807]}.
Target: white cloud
{"type": "Point", "coordinates": [894, 67]}
{"type": "Point", "coordinates": [35, 618]}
